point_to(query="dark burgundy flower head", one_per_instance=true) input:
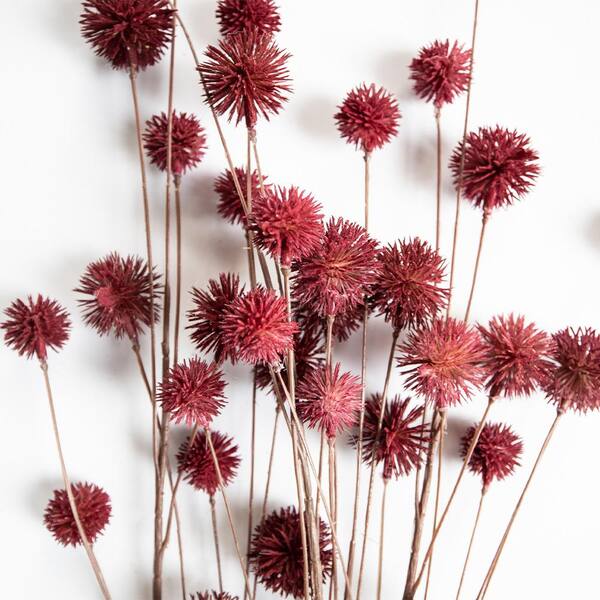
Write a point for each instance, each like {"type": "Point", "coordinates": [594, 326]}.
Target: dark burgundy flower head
{"type": "Point", "coordinates": [276, 552]}
{"type": "Point", "coordinates": [288, 223]}
{"type": "Point", "coordinates": [197, 465]}
{"type": "Point", "coordinates": [445, 362]}
{"type": "Point", "coordinates": [188, 145]}
{"type": "Point", "coordinates": [368, 117]}
{"type": "Point", "coordinates": [236, 16]}
{"type": "Point", "coordinates": [407, 290]}
{"type": "Point", "coordinates": [206, 318]}
{"type": "Point", "coordinates": [128, 32]}
{"type": "Point", "coordinates": [117, 296]}
{"type": "Point", "coordinates": [256, 328]}
{"type": "Point", "coordinates": [230, 207]}
{"type": "Point", "coordinates": [499, 167]}
{"type": "Point", "coordinates": [33, 326]}
{"type": "Point", "coordinates": [246, 76]}
{"type": "Point", "coordinates": [496, 453]}
{"type": "Point", "coordinates": [441, 72]}
{"type": "Point", "coordinates": [403, 437]}
{"type": "Point", "coordinates": [93, 507]}
{"type": "Point", "coordinates": [213, 596]}
{"type": "Point", "coordinates": [515, 356]}
{"type": "Point", "coordinates": [193, 392]}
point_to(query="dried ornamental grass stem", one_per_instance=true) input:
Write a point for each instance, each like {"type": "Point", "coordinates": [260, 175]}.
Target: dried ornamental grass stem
{"type": "Point", "coordinates": [213, 516]}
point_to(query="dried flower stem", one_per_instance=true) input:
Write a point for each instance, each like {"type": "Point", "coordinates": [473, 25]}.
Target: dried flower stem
{"type": "Point", "coordinates": [321, 456]}
{"type": "Point", "coordinates": [178, 261]}
{"type": "Point", "coordinates": [381, 540]}
{"type": "Point", "coordinates": [333, 504]}
{"type": "Point", "coordinates": [438, 184]}
{"type": "Point", "coordinates": [418, 467]}
{"type": "Point", "coordinates": [367, 159]}
{"type": "Point", "coordinates": [213, 517]}
{"type": "Point", "coordinates": [252, 470]}
{"type": "Point", "coordinates": [484, 221]}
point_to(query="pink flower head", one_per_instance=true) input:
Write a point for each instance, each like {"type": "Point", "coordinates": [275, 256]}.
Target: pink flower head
{"type": "Point", "coordinates": [407, 290]}
{"type": "Point", "coordinates": [441, 72]}
{"type": "Point", "coordinates": [230, 207]}
{"type": "Point", "coordinates": [368, 117]}
{"type": "Point", "coordinates": [276, 552]}
{"type": "Point", "coordinates": [33, 326]}
{"type": "Point", "coordinates": [236, 16]}
{"type": "Point", "coordinates": [515, 356]}
{"type": "Point", "coordinates": [256, 329]}
{"type": "Point", "coordinates": [445, 362]}
{"type": "Point", "coordinates": [246, 76]}
{"type": "Point", "coordinates": [193, 392]}
{"type": "Point", "coordinates": [499, 167]}
{"type": "Point", "coordinates": [288, 223]}
{"type": "Point", "coordinates": [213, 596]}
{"type": "Point", "coordinates": [496, 453]}
{"type": "Point", "coordinates": [93, 508]}
{"type": "Point", "coordinates": [188, 141]}
{"type": "Point", "coordinates": [197, 465]}
{"type": "Point", "coordinates": [117, 296]}
{"type": "Point", "coordinates": [128, 32]}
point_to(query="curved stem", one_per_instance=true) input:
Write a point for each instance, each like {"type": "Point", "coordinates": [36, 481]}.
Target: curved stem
{"type": "Point", "coordinates": [438, 185]}
{"type": "Point", "coordinates": [484, 222]}
{"type": "Point", "coordinates": [381, 539]}
{"type": "Point", "coordinates": [213, 516]}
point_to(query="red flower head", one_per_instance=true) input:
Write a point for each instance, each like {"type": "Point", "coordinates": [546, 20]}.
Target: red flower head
{"type": "Point", "coordinates": [288, 222]}
{"type": "Point", "coordinates": [407, 290]}
{"type": "Point", "coordinates": [334, 279]}
{"type": "Point", "coordinates": [368, 117]}
{"type": "Point", "coordinates": [499, 167]}
{"type": "Point", "coordinates": [118, 296]}
{"type": "Point", "coordinates": [33, 326]}
{"type": "Point", "coordinates": [496, 453]}
{"type": "Point", "coordinates": [197, 464]}
{"type": "Point", "coordinates": [515, 356]}
{"type": "Point", "coordinates": [441, 72]}
{"type": "Point", "coordinates": [445, 359]}
{"type": "Point", "coordinates": [575, 378]}
{"type": "Point", "coordinates": [206, 318]}
{"type": "Point", "coordinates": [276, 552]}
{"type": "Point", "coordinates": [256, 328]}
{"type": "Point", "coordinates": [230, 207]}
{"type": "Point", "coordinates": [187, 147]}
{"type": "Point", "coordinates": [246, 75]}
{"type": "Point", "coordinates": [193, 392]}
{"type": "Point", "coordinates": [213, 596]}
{"type": "Point", "coordinates": [236, 16]}
{"type": "Point", "coordinates": [329, 400]}
{"type": "Point", "coordinates": [128, 32]}
{"type": "Point", "coordinates": [93, 507]}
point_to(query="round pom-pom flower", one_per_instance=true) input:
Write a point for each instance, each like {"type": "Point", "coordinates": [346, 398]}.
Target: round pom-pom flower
{"type": "Point", "coordinates": [515, 356]}
{"type": "Point", "coordinates": [93, 508]}
{"type": "Point", "coordinates": [117, 296]}
{"type": "Point", "coordinates": [407, 290]}
{"type": "Point", "coordinates": [368, 117]}
{"type": "Point", "coordinates": [496, 453]}
{"type": "Point", "coordinates": [128, 33]}
{"type": "Point", "coordinates": [441, 72]}
{"type": "Point", "coordinates": [276, 552]}
{"type": "Point", "coordinates": [198, 467]}
{"type": "Point", "coordinates": [213, 596]}
{"type": "Point", "coordinates": [193, 392]}
{"type": "Point", "coordinates": [33, 326]}
{"type": "Point", "coordinates": [499, 167]}
{"type": "Point", "coordinates": [188, 141]}
{"type": "Point", "coordinates": [246, 76]}
{"type": "Point", "coordinates": [236, 16]}
{"type": "Point", "coordinates": [230, 207]}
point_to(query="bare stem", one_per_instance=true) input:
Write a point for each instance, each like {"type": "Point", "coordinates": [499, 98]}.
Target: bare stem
{"type": "Point", "coordinates": [252, 469]}
{"type": "Point", "coordinates": [178, 267]}
{"type": "Point", "coordinates": [438, 185]}
{"type": "Point", "coordinates": [484, 222]}
{"type": "Point", "coordinates": [381, 540]}
{"type": "Point", "coordinates": [333, 505]}
{"type": "Point", "coordinates": [367, 159]}
{"type": "Point", "coordinates": [213, 516]}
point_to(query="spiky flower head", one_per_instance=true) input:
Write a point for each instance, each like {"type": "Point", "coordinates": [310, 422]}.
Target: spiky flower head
{"type": "Point", "coordinates": [230, 206]}
{"type": "Point", "coordinates": [213, 596]}
{"type": "Point", "coordinates": [236, 16]}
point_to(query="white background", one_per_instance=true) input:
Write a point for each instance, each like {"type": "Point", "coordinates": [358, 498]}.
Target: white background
{"type": "Point", "coordinates": [70, 194]}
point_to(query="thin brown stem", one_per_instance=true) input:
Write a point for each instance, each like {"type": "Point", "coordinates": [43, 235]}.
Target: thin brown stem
{"type": "Point", "coordinates": [213, 517]}
{"type": "Point", "coordinates": [321, 456]}
{"type": "Point", "coordinates": [332, 504]}
{"type": "Point", "coordinates": [438, 178]}
{"type": "Point", "coordinates": [367, 159]}
{"type": "Point", "coordinates": [484, 222]}
{"type": "Point", "coordinates": [418, 468]}
{"type": "Point", "coordinates": [178, 267]}
{"type": "Point", "coordinates": [252, 470]}
{"type": "Point", "coordinates": [381, 540]}
{"type": "Point", "coordinates": [249, 239]}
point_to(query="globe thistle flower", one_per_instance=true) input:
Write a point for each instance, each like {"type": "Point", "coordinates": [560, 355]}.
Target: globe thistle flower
{"type": "Point", "coordinates": [407, 290]}
{"type": "Point", "coordinates": [288, 223]}
{"type": "Point", "coordinates": [93, 508]}
{"type": "Point", "coordinates": [499, 167]}
{"type": "Point", "coordinates": [255, 327]}
{"type": "Point", "coordinates": [229, 206]}
{"type": "Point", "coordinates": [213, 596]}
{"type": "Point", "coordinates": [368, 117]}
{"type": "Point", "coordinates": [246, 76]}
{"type": "Point", "coordinates": [206, 317]}
{"type": "Point", "coordinates": [197, 466]}
{"type": "Point", "coordinates": [445, 362]}
{"type": "Point", "coordinates": [33, 326]}
{"type": "Point", "coordinates": [403, 437]}
{"type": "Point", "coordinates": [188, 141]}
{"type": "Point", "coordinates": [117, 296]}
{"type": "Point", "coordinates": [441, 72]}
{"type": "Point", "coordinates": [515, 356]}
{"type": "Point", "coordinates": [193, 392]}
{"type": "Point", "coordinates": [128, 33]}
{"type": "Point", "coordinates": [329, 400]}
{"type": "Point", "coordinates": [276, 552]}
{"type": "Point", "coordinates": [496, 453]}
{"type": "Point", "coordinates": [236, 16]}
